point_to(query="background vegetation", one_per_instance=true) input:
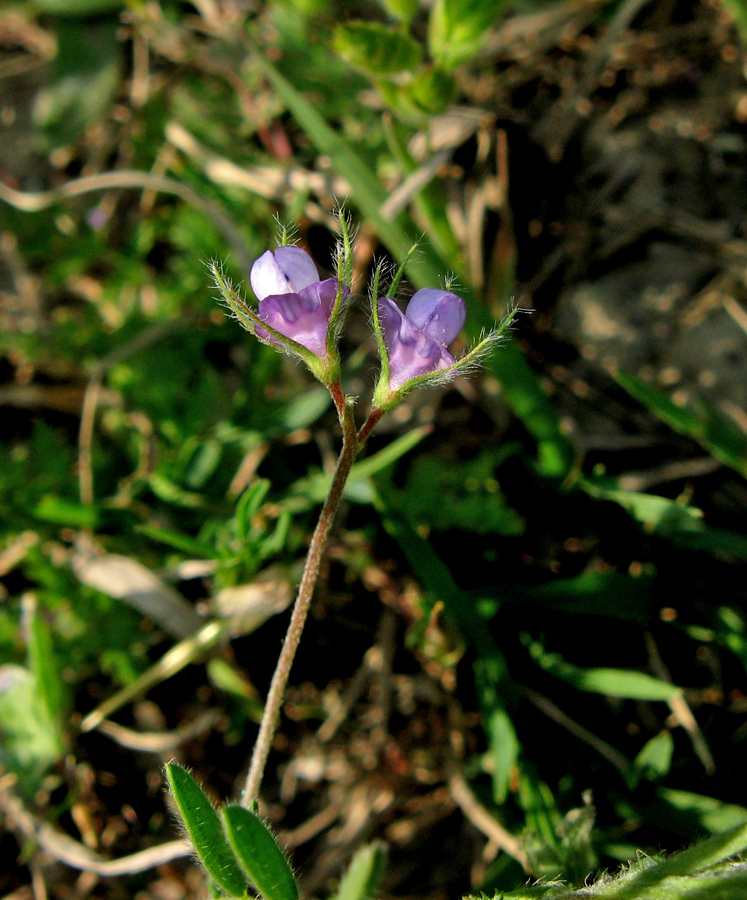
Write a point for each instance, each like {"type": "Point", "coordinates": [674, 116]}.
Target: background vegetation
{"type": "Point", "coordinates": [527, 655]}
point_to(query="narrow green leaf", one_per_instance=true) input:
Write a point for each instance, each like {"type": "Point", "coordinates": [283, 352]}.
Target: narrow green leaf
{"type": "Point", "coordinates": [46, 671]}
{"type": "Point", "coordinates": [60, 511]}
{"type": "Point", "coordinates": [316, 487]}
{"type": "Point", "coordinates": [699, 536]}
{"type": "Point", "coordinates": [249, 505]}
{"type": "Point", "coordinates": [719, 435]}
{"type": "Point", "coordinates": [375, 49]}
{"type": "Point", "coordinates": [204, 830]}
{"type": "Point", "coordinates": [657, 512]}
{"type": "Point", "coordinates": [624, 683]}
{"type": "Point", "coordinates": [696, 812]}
{"type": "Point", "coordinates": [610, 594]}
{"type": "Point", "coordinates": [30, 741]}
{"type": "Point", "coordinates": [431, 202]}
{"type": "Point", "coordinates": [82, 8]}
{"type": "Point", "coordinates": [183, 542]}
{"type": "Point", "coordinates": [170, 492]}
{"type": "Point", "coordinates": [540, 809]}
{"type": "Point", "coordinates": [389, 454]}
{"type": "Point", "coordinates": [361, 880]}
{"type": "Point", "coordinates": [726, 883]}
{"type": "Point", "coordinates": [672, 519]}
{"type": "Point", "coordinates": [492, 679]}
{"type": "Point", "coordinates": [259, 855]}
{"type": "Point", "coordinates": [708, 853]}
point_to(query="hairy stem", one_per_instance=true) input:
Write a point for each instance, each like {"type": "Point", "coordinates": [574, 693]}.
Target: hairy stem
{"type": "Point", "coordinates": [368, 426]}
{"type": "Point", "coordinates": [274, 702]}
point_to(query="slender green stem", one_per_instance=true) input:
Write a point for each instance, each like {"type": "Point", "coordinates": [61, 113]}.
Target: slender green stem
{"type": "Point", "coordinates": [274, 701]}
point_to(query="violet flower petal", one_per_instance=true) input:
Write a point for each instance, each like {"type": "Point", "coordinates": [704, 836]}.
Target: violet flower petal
{"type": "Point", "coordinates": [297, 266]}
{"type": "Point", "coordinates": [411, 351]}
{"type": "Point", "coordinates": [288, 270]}
{"type": "Point", "coordinates": [324, 293]}
{"type": "Point", "coordinates": [438, 313]}
{"type": "Point", "coordinates": [303, 316]}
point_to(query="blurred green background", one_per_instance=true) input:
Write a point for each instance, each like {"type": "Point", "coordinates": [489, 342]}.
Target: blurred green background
{"type": "Point", "coordinates": [535, 592]}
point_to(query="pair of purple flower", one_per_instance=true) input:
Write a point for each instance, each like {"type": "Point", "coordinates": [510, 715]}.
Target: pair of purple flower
{"type": "Point", "coordinates": [297, 305]}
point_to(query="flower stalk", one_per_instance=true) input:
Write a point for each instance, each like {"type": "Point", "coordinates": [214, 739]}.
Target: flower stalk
{"type": "Point", "coordinates": [302, 315]}
{"type": "Point", "coordinates": [274, 702]}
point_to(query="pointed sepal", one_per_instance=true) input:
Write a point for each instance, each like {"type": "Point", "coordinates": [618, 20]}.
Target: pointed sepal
{"type": "Point", "coordinates": [325, 369]}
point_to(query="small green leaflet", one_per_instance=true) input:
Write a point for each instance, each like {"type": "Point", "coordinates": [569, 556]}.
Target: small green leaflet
{"type": "Point", "coordinates": [259, 855]}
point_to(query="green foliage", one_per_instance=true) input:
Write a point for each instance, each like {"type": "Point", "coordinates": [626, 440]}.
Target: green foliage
{"type": "Point", "coordinates": [45, 668]}
{"type": "Point", "coordinates": [688, 812]}
{"type": "Point", "coordinates": [738, 10]}
{"type": "Point", "coordinates": [205, 447]}
{"type": "Point", "coordinates": [704, 872]}
{"type": "Point", "coordinates": [77, 8]}
{"type": "Point", "coordinates": [30, 739]}
{"type": "Point", "coordinates": [375, 49]}
{"type": "Point", "coordinates": [655, 758]}
{"type": "Point", "coordinates": [492, 679]}
{"type": "Point", "coordinates": [674, 520]}
{"type": "Point", "coordinates": [204, 830]}
{"type": "Point", "coordinates": [33, 705]}
{"type": "Point", "coordinates": [464, 496]}
{"type": "Point", "coordinates": [557, 847]}
{"type": "Point", "coordinates": [457, 29]}
{"type": "Point", "coordinates": [86, 72]}
{"type": "Point", "coordinates": [719, 435]}
{"type": "Point", "coordinates": [258, 854]}
{"type": "Point", "coordinates": [610, 682]}
{"type": "Point", "coordinates": [401, 9]}
{"type": "Point", "coordinates": [235, 846]}
{"type": "Point", "coordinates": [366, 869]}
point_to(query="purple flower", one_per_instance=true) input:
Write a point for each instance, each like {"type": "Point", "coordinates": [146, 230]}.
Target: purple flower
{"type": "Point", "coordinates": [292, 299]}
{"type": "Point", "coordinates": [416, 340]}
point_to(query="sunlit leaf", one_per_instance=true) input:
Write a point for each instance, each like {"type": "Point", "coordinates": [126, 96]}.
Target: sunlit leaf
{"type": "Point", "coordinates": [376, 49]}
{"type": "Point", "coordinates": [457, 29]}
{"type": "Point", "coordinates": [261, 859]}
{"type": "Point", "coordinates": [624, 683]}
{"type": "Point", "coordinates": [361, 880]}
{"type": "Point", "coordinates": [655, 758]}
{"type": "Point", "coordinates": [29, 737]}
{"type": "Point", "coordinates": [718, 434]}
{"type": "Point", "coordinates": [204, 830]}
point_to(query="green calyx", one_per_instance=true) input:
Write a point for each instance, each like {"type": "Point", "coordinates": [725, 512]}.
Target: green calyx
{"type": "Point", "coordinates": [326, 369]}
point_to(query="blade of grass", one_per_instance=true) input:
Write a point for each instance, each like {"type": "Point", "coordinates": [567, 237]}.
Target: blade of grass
{"type": "Point", "coordinates": [494, 685]}
{"type": "Point", "coordinates": [717, 434]}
